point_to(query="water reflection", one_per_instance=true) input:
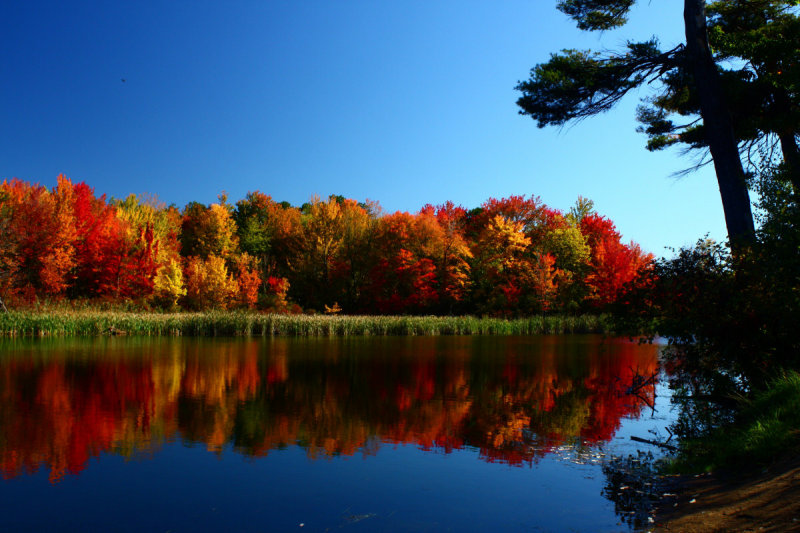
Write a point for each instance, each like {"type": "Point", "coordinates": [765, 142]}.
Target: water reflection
{"type": "Point", "coordinates": [513, 399]}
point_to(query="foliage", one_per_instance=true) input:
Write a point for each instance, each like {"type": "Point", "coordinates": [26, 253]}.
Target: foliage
{"type": "Point", "coordinates": [208, 283]}
{"type": "Point", "coordinates": [690, 82]}
{"type": "Point", "coordinates": [275, 297]}
{"type": "Point", "coordinates": [208, 230]}
{"type": "Point", "coordinates": [169, 287]}
{"type": "Point", "coordinates": [511, 257]}
{"type": "Point", "coordinates": [765, 427]}
{"type": "Point", "coordinates": [248, 280]}
{"type": "Point", "coordinates": [731, 322]}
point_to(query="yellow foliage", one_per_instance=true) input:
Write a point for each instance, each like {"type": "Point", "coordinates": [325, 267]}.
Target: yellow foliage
{"type": "Point", "coordinates": [222, 231]}
{"type": "Point", "coordinates": [333, 310]}
{"type": "Point", "coordinates": [209, 285]}
{"type": "Point", "coordinates": [168, 285]}
{"type": "Point", "coordinates": [503, 242]}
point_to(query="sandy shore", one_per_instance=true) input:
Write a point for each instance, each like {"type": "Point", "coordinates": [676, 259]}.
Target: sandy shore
{"type": "Point", "coordinates": [767, 500]}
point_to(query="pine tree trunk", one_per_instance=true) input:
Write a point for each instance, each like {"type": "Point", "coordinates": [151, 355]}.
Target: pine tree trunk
{"type": "Point", "coordinates": [791, 156]}
{"type": "Point", "coordinates": [718, 126]}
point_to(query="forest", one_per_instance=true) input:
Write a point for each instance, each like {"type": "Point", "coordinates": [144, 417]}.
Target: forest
{"type": "Point", "coordinates": [509, 257]}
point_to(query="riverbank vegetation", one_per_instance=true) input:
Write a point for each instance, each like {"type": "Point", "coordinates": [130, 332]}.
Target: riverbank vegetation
{"type": "Point", "coordinates": [509, 257]}
{"type": "Point", "coordinates": [765, 427]}
{"type": "Point", "coordinates": [731, 320]}
{"type": "Point", "coordinates": [242, 323]}
{"type": "Point", "coordinates": [730, 311]}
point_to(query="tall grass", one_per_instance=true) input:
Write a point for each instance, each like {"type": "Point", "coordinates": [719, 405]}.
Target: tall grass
{"type": "Point", "coordinates": [88, 323]}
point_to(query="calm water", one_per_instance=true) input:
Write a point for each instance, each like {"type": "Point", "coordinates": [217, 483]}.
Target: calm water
{"type": "Point", "coordinates": [360, 434]}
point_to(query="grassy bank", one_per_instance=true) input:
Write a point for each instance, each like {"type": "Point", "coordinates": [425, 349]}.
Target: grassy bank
{"type": "Point", "coordinates": [88, 323]}
{"type": "Point", "coordinates": [767, 427]}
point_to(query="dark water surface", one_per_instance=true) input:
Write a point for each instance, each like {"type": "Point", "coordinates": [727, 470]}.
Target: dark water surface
{"type": "Point", "coordinates": [355, 434]}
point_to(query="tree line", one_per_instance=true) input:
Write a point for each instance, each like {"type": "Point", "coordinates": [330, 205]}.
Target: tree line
{"type": "Point", "coordinates": [510, 256]}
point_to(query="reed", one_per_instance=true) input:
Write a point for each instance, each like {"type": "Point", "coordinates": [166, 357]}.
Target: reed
{"type": "Point", "coordinates": [218, 323]}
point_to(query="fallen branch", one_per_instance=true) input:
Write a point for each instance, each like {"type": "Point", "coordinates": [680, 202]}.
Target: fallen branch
{"type": "Point", "coordinates": [639, 382]}
{"type": "Point", "coordinates": [669, 447]}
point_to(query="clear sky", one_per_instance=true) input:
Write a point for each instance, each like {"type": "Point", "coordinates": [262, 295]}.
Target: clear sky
{"type": "Point", "coordinates": [406, 103]}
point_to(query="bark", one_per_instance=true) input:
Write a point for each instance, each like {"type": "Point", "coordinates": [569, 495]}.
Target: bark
{"type": "Point", "coordinates": [791, 156]}
{"type": "Point", "coordinates": [719, 127]}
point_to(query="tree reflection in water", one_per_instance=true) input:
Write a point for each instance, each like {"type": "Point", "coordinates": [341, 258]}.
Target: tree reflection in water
{"type": "Point", "coordinates": [512, 399]}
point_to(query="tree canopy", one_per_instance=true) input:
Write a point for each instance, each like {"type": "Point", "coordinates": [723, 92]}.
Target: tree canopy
{"type": "Point", "coordinates": [731, 87]}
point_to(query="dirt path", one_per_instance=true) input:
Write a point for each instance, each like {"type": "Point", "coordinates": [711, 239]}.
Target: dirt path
{"type": "Point", "coordinates": [768, 501]}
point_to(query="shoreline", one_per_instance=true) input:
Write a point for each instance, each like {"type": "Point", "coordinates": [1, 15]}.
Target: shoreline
{"type": "Point", "coordinates": [765, 499]}
{"type": "Point", "coordinates": [224, 323]}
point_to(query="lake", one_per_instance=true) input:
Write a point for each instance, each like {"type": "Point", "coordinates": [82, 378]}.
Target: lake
{"type": "Point", "coordinates": [455, 433]}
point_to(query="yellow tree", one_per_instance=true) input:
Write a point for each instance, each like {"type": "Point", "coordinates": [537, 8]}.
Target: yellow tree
{"type": "Point", "coordinates": [147, 212]}
{"type": "Point", "coordinates": [355, 256]}
{"type": "Point", "coordinates": [207, 231]}
{"type": "Point", "coordinates": [209, 285]}
{"type": "Point", "coordinates": [322, 237]}
{"type": "Point", "coordinates": [503, 271]}
{"type": "Point", "coordinates": [168, 285]}
{"type": "Point", "coordinates": [571, 255]}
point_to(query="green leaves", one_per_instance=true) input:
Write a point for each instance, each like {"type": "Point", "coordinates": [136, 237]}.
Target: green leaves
{"type": "Point", "coordinates": [577, 84]}
{"type": "Point", "coordinates": [597, 14]}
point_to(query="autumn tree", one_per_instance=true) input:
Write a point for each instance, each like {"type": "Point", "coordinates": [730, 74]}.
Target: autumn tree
{"type": "Point", "coordinates": [276, 292]}
{"type": "Point", "coordinates": [43, 225]}
{"type": "Point", "coordinates": [450, 252]}
{"type": "Point", "coordinates": [269, 231]}
{"type": "Point", "coordinates": [577, 84]}
{"type": "Point", "coordinates": [403, 279]}
{"type": "Point", "coordinates": [613, 264]}
{"type": "Point", "coordinates": [248, 279]}
{"type": "Point", "coordinates": [100, 247]}
{"type": "Point", "coordinates": [209, 230]}
{"type": "Point", "coordinates": [566, 246]}
{"type": "Point", "coordinates": [321, 238]}
{"type": "Point", "coordinates": [8, 247]}
{"type": "Point", "coordinates": [355, 257]}
{"type": "Point", "coordinates": [503, 270]}
{"type": "Point", "coordinates": [209, 285]}
{"type": "Point", "coordinates": [152, 245]}
{"type": "Point", "coordinates": [168, 285]}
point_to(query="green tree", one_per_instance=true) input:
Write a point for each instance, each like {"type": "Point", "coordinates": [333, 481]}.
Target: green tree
{"type": "Point", "coordinates": [269, 231]}
{"type": "Point", "coordinates": [577, 84]}
{"type": "Point", "coordinates": [757, 42]}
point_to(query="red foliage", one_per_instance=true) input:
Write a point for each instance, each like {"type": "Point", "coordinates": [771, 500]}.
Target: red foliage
{"type": "Point", "coordinates": [100, 251]}
{"type": "Point", "coordinates": [614, 264]}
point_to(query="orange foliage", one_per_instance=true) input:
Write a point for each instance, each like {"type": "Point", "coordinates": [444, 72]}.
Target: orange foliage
{"type": "Point", "coordinates": [512, 256]}
{"type": "Point", "coordinates": [249, 280]}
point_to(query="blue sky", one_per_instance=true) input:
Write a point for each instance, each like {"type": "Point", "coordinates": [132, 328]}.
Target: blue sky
{"type": "Point", "coordinates": [406, 103]}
